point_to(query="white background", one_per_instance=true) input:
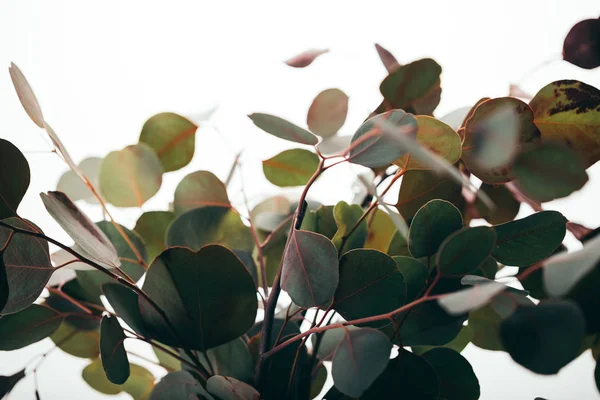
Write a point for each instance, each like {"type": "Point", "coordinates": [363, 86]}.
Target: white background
{"type": "Point", "coordinates": [100, 69]}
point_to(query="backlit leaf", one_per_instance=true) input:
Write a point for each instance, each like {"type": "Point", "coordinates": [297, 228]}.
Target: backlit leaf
{"type": "Point", "coordinates": [26, 95]}
{"type": "Point", "coordinates": [172, 137]}
{"type": "Point", "coordinates": [410, 82]}
{"type": "Point", "coordinates": [465, 250]}
{"type": "Point", "coordinates": [76, 342]}
{"type": "Point", "coordinates": [389, 61]}
{"type": "Point", "coordinates": [138, 386]}
{"type": "Point", "coordinates": [310, 269]}
{"type": "Point", "coordinates": [112, 352]}
{"type": "Point", "coordinates": [455, 374]}
{"type": "Point", "coordinates": [327, 113]}
{"type": "Point", "coordinates": [200, 189]}
{"type": "Point", "coordinates": [208, 295]}
{"type": "Point", "coordinates": [525, 241]}
{"type": "Point", "coordinates": [582, 44]}
{"type": "Point", "coordinates": [359, 359]}
{"type": "Point", "coordinates": [568, 113]}
{"type": "Point", "coordinates": [305, 58]}
{"type": "Point", "coordinates": [31, 325]}
{"type": "Point", "coordinates": [228, 388]}
{"type": "Point", "coordinates": [72, 185]}
{"type": "Point", "coordinates": [432, 224]}
{"type": "Point", "coordinates": [130, 176]}
{"type": "Point", "coordinates": [346, 216]}
{"type": "Point", "coordinates": [283, 129]}
{"type": "Point", "coordinates": [291, 167]}
{"type": "Point", "coordinates": [14, 178]}
{"type": "Point", "coordinates": [381, 230]}
{"type": "Point", "coordinates": [152, 227]}
{"type": "Point", "coordinates": [465, 300]}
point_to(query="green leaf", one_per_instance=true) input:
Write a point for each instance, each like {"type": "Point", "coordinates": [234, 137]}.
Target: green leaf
{"type": "Point", "coordinates": [410, 83]}
{"type": "Point", "coordinates": [310, 269]}
{"type": "Point", "coordinates": [398, 245]}
{"type": "Point", "coordinates": [582, 47]}
{"type": "Point", "coordinates": [564, 270]}
{"type": "Point", "coordinates": [77, 342]}
{"type": "Point", "coordinates": [567, 113]}
{"type": "Point", "coordinates": [92, 242]}
{"type": "Point", "coordinates": [370, 284]}
{"type": "Point", "coordinates": [318, 381]}
{"type": "Point", "coordinates": [372, 146]}
{"type": "Point", "coordinates": [31, 325]}
{"type": "Point", "coordinates": [179, 385]}
{"type": "Point", "coordinates": [485, 324]}
{"type": "Point", "coordinates": [291, 167]}
{"type": "Point", "coordinates": [200, 189]}
{"type": "Point", "coordinates": [130, 176]}
{"type": "Point", "coordinates": [415, 274]}
{"type": "Point", "coordinates": [71, 184]}
{"type": "Point", "coordinates": [528, 240]}
{"type": "Point", "coordinates": [457, 344]}
{"type": "Point", "coordinates": [26, 267]}
{"type": "Point", "coordinates": [497, 130]}
{"type": "Point", "coordinates": [465, 250]}
{"type": "Point", "coordinates": [432, 224]}
{"type": "Point", "coordinates": [209, 297]}
{"type": "Point", "coordinates": [321, 221]}
{"type": "Point", "coordinates": [7, 383]}
{"type": "Point", "coordinates": [228, 388]}
{"type": "Point", "coordinates": [166, 360]}
{"type": "Point", "coordinates": [91, 281]}
{"type": "Point", "coordinates": [125, 302]}
{"type": "Point", "coordinates": [550, 172]}
{"type": "Point", "coordinates": [112, 352]}
{"type": "Point", "coordinates": [231, 359]}
{"type": "Point", "coordinates": [346, 216]}
{"type": "Point", "coordinates": [283, 129]}
{"type": "Point", "coordinates": [546, 337]}
{"type": "Point", "coordinates": [359, 359]}
{"type": "Point", "coordinates": [505, 208]}
{"type": "Point", "coordinates": [152, 227]}
{"type": "Point", "coordinates": [172, 137]}
{"type": "Point", "coordinates": [328, 112]}
{"type": "Point", "coordinates": [455, 374]}
{"type": "Point", "coordinates": [420, 187]}
{"type": "Point", "coordinates": [14, 178]}
{"type": "Point", "coordinates": [330, 341]}
{"type": "Point", "coordinates": [139, 384]}
{"type": "Point", "coordinates": [210, 225]}
{"type": "Point", "coordinates": [381, 230]}
{"type": "Point", "coordinates": [435, 136]}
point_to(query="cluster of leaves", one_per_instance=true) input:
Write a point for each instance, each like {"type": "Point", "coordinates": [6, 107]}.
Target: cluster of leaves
{"type": "Point", "coordinates": [366, 281]}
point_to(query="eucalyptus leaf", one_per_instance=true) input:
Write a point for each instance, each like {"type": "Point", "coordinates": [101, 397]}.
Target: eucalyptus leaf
{"type": "Point", "coordinates": [327, 113]}
{"type": "Point", "coordinates": [291, 167]}
{"type": "Point", "coordinates": [465, 250]}
{"type": "Point", "coordinates": [125, 302]}
{"type": "Point", "coordinates": [455, 374]}
{"type": "Point", "coordinates": [77, 342]}
{"type": "Point", "coordinates": [28, 326]}
{"type": "Point", "coordinates": [582, 45]}
{"type": "Point", "coordinates": [152, 227]}
{"type": "Point", "coordinates": [26, 95]}
{"type": "Point", "coordinates": [14, 178]}
{"type": "Point", "coordinates": [506, 207]}
{"type": "Point", "coordinates": [112, 352]}
{"type": "Point", "coordinates": [72, 185]}
{"type": "Point", "coordinates": [346, 216]}
{"type": "Point", "coordinates": [200, 189]}
{"type": "Point", "coordinates": [7, 383]}
{"type": "Point", "coordinates": [228, 388]}
{"type": "Point", "coordinates": [305, 58]}
{"type": "Point", "coordinates": [138, 386]}
{"type": "Point", "coordinates": [410, 83]}
{"type": "Point", "coordinates": [283, 129]}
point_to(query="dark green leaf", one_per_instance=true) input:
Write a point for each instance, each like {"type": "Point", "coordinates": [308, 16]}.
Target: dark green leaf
{"type": "Point", "coordinates": [26, 267]}
{"type": "Point", "coordinates": [465, 250]}
{"type": "Point", "coordinates": [318, 381]}
{"type": "Point", "coordinates": [359, 359]}
{"type": "Point", "coordinates": [152, 227]}
{"type": "Point", "coordinates": [209, 297]}
{"type": "Point", "coordinates": [200, 189]}
{"type": "Point", "coordinates": [546, 337]}
{"type": "Point", "coordinates": [112, 352]}
{"type": "Point", "coordinates": [310, 269]}
{"type": "Point", "coordinates": [505, 208]}
{"type": "Point", "coordinates": [330, 341]}
{"type": "Point", "coordinates": [432, 224]}
{"type": "Point", "coordinates": [228, 388]}
{"type": "Point", "coordinates": [455, 374]}
{"type": "Point", "coordinates": [419, 187]}
{"type": "Point", "coordinates": [457, 344]}
{"type": "Point", "coordinates": [172, 137]}
{"type": "Point", "coordinates": [597, 375]}
{"type": "Point", "coordinates": [528, 240]}
{"type": "Point", "coordinates": [550, 172]}
{"type": "Point", "coordinates": [125, 302]}
{"type": "Point", "coordinates": [139, 384]}
{"type": "Point", "coordinates": [88, 237]}
{"type": "Point", "coordinates": [130, 176]}
{"type": "Point", "coordinates": [582, 45]}
{"type": "Point", "coordinates": [372, 146]}
{"type": "Point", "coordinates": [346, 216]}
{"type": "Point", "coordinates": [210, 225]}
{"type": "Point", "coordinates": [327, 112]}
{"type": "Point", "coordinates": [28, 326]}
{"type": "Point", "coordinates": [398, 245]}
{"type": "Point", "coordinates": [14, 178]}
{"type": "Point", "coordinates": [410, 83]}
{"type": "Point", "coordinates": [7, 383]}
{"type": "Point", "coordinates": [370, 284]}
{"type": "Point", "coordinates": [415, 273]}
{"type": "Point", "coordinates": [485, 324]}
{"type": "Point", "coordinates": [283, 129]}
{"type": "Point", "coordinates": [291, 167]}
{"type": "Point", "coordinates": [231, 359]}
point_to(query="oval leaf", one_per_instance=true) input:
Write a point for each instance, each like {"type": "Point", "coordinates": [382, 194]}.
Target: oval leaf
{"type": "Point", "coordinates": [465, 250]}
{"type": "Point", "coordinates": [472, 298]}
{"type": "Point", "coordinates": [410, 83]}
{"type": "Point", "coordinates": [7, 383]}
{"type": "Point", "coordinates": [130, 176]}
{"type": "Point", "coordinates": [112, 352]}
{"type": "Point", "coordinates": [327, 113]}
{"type": "Point", "coordinates": [139, 384]}
{"type": "Point", "coordinates": [505, 208]}
{"type": "Point", "coordinates": [76, 342]}
{"type": "Point", "coordinates": [291, 167]}
{"type": "Point", "coordinates": [14, 178]}
{"type": "Point", "coordinates": [26, 95]}
{"type": "Point", "coordinates": [28, 326]}
{"type": "Point", "coordinates": [346, 216]}
{"type": "Point", "coordinates": [200, 189]}
{"type": "Point", "coordinates": [172, 137]}
{"type": "Point", "coordinates": [582, 44]}
{"type": "Point", "coordinates": [305, 58]}
{"type": "Point", "coordinates": [125, 302]}
{"type": "Point", "coordinates": [283, 129]}
{"type": "Point", "coordinates": [310, 269]}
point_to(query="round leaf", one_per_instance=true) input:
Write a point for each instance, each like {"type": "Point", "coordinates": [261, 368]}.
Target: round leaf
{"type": "Point", "coordinates": [14, 178]}
{"type": "Point", "coordinates": [410, 83]}
{"type": "Point", "coordinates": [28, 326]}
{"type": "Point", "coordinates": [528, 240]}
{"type": "Point", "coordinates": [485, 324]}
{"type": "Point", "coordinates": [455, 374]}
{"type": "Point", "coordinates": [130, 176]}
{"type": "Point", "coordinates": [327, 113]}
{"type": "Point", "coordinates": [125, 302]}
{"type": "Point", "coordinates": [346, 216]}
{"type": "Point", "coordinates": [152, 227]}
{"type": "Point", "coordinates": [283, 129]}
{"type": "Point", "coordinates": [231, 359]}
{"type": "Point", "coordinates": [359, 359]}
{"type": "Point", "coordinates": [432, 224]}
{"type": "Point", "coordinates": [381, 230]}
{"type": "Point", "coordinates": [291, 167]}
{"type": "Point", "coordinates": [505, 208]}
{"type": "Point", "coordinates": [209, 297]}
{"type": "Point", "coordinates": [112, 352]}
{"type": "Point", "coordinates": [310, 269]}
{"type": "Point", "coordinates": [78, 343]}
{"type": "Point", "coordinates": [200, 189]}
{"type": "Point", "coordinates": [465, 250]}
{"type": "Point", "coordinates": [71, 184]}
{"type": "Point", "coordinates": [582, 44]}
